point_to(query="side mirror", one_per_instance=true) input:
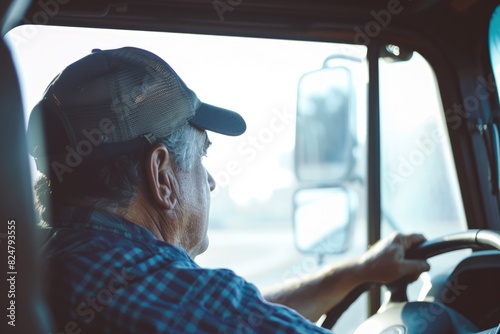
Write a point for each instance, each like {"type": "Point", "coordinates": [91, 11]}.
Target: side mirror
{"type": "Point", "coordinates": [322, 220]}
{"type": "Point", "coordinates": [325, 133]}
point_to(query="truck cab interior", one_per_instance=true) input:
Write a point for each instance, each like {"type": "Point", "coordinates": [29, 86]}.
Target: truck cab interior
{"type": "Point", "coordinates": [379, 115]}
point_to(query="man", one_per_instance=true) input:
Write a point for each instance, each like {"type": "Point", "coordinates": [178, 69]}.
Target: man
{"type": "Point", "coordinates": [127, 196]}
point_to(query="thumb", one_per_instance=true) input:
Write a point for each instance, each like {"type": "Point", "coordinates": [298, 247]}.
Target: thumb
{"type": "Point", "coordinates": [413, 268]}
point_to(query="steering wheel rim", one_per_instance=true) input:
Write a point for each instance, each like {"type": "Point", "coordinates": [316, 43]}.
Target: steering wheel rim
{"type": "Point", "coordinates": [473, 239]}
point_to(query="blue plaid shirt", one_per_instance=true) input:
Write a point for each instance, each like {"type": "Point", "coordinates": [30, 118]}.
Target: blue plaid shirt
{"type": "Point", "coordinates": [108, 275]}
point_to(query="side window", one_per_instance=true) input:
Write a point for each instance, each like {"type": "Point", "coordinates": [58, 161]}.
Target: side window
{"type": "Point", "coordinates": [420, 191]}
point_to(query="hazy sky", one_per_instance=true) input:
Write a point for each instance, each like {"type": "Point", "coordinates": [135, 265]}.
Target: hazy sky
{"type": "Point", "coordinates": [255, 77]}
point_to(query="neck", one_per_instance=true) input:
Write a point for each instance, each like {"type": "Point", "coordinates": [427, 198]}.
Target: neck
{"type": "Point", "coordinates": [163, 224]}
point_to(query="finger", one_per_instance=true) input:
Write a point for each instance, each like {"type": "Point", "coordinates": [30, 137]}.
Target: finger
{"type": "Point", "coordinates": [413, 240]}
{"type": "Point", "coordinates": [414, 267]}
{"type": "Point", "coordinates": [424, 267]}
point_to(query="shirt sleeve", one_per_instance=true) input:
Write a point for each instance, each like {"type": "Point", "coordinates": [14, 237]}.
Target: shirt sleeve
{"type": "Point", "coordinates": [218, 301]}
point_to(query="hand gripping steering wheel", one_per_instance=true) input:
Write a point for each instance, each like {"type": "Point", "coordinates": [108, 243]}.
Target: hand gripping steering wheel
{"type": "Point", "coordinates": [400, 316]}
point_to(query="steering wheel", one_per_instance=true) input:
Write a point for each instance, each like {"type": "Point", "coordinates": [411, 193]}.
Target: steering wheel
{"type": "Point", "coordinates": [399, 316]}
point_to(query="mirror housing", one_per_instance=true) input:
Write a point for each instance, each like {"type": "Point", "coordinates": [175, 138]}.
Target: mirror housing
{"type": "Point", "coordinates": [325, 132]}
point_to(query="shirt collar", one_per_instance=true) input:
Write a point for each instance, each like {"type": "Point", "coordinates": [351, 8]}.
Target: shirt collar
{"type": "Point", "coordinates": [89, 218]}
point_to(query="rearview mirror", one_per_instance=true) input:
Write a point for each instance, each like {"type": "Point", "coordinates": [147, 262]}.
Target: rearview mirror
{"type": "Point", "coordinates": [326, 109]}
{"type": "Point", "coordinates": [322, 220]}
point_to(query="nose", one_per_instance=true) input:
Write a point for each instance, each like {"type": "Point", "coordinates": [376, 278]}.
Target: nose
{"type": "Point", "coordinates": [211, 181]}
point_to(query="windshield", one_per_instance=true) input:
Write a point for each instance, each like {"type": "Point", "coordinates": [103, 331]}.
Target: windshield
{"type": "Point", "coordinates": [252, 206]}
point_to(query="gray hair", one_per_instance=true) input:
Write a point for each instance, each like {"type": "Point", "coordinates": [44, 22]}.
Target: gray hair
{"type": "Point", "coordinates": [114, 183]}
{"type": "Point", "coordinates": [180, 145]}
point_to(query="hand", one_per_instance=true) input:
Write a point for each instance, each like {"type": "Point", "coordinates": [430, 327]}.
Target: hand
{"type": "Point", "coordinates": [385, 261]}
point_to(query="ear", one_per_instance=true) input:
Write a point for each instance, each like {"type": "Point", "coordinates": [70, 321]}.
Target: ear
{"type": "Point", "coordinates": [161, 178]}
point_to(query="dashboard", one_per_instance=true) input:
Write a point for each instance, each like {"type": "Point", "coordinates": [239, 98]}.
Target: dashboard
{"type": "Point", "coordinates": [472, 289]}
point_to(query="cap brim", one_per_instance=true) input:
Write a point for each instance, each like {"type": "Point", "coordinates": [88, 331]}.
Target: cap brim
{"type": "Point", "coordinates": [218, 120]}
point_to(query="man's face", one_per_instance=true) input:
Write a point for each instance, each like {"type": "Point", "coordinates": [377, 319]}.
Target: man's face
{"type": "Point", "coordinates": [194, 204]}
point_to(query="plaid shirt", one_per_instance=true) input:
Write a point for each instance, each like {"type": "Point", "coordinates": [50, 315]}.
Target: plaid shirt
{"type": "Point", "coordinates": [108, 275]}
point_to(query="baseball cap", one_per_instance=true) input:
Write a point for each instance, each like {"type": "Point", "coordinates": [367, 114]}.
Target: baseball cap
{"type": "Point", "coordinates": [113, 101]}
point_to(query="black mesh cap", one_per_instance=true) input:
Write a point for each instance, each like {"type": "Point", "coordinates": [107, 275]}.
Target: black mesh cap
{"type": "Point", "coordinates": [109, 101]}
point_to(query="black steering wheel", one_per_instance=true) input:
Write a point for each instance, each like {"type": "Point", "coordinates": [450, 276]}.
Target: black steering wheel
{"type": "Point", "coordinates": [399, 316]}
